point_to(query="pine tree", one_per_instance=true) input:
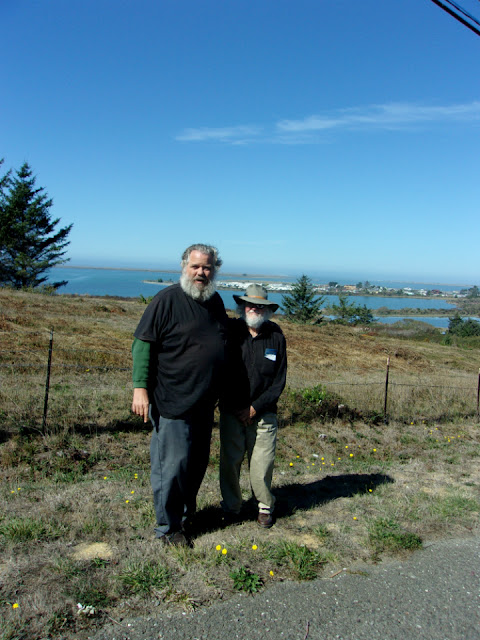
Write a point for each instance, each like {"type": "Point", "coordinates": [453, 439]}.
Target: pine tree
{"type": "Point", "coordinates": [350, 313]}
{"type": "Point", "coordinates": [302, 304]}
{"type": "Point", "coordinates": [29, 243]}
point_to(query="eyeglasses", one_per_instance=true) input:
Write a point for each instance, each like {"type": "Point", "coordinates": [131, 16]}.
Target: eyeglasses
{"type": "Point", "coordinates": [254, 305]}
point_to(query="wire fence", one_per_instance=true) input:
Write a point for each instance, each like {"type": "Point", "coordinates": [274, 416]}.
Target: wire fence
{"type": "Point", "coordinates": [55, 385]}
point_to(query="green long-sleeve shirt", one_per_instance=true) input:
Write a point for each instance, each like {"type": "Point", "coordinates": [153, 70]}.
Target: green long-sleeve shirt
{"type": "Point", "coordinates": [141, 363]}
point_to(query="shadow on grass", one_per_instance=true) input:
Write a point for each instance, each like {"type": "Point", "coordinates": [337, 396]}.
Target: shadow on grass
{"type": "Point", "coordinates": [295, 497]}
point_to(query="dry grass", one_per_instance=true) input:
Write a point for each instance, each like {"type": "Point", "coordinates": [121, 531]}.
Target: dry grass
{"type": "Point", "coordinates": [77, 518]}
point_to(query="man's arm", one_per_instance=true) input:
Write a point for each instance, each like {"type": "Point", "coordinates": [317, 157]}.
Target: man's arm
{"type": "Point", "coordinates": [141, 367]}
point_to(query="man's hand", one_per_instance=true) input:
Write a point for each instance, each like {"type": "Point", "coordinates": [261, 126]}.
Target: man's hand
{"type": "Point", "coordinates": [140, 403]}
{"type": "Point", "coordinates": [243, 415]}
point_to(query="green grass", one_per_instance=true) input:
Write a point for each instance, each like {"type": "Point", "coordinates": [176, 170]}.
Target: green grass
{"type": "Point", "coordinates": [387, 535]}
{"type": "Point", "coordinates": [302, 561]}
{"type": "Point", "coordinates": [28, 529]}
{"type": "Point", "coordinates": [453, 507]}
{"type": "Point", "coordinates": [143, 577]}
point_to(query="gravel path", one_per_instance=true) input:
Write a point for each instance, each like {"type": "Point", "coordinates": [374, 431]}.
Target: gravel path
{"type": "Point", "coordinates": [434, 594]}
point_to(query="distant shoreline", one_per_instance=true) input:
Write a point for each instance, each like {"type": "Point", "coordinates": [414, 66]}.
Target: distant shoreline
{"type": "Point", "coordinates": [248, 275]}
{"type": "Point", "coordinates": [223, 287]}
{"type": "Point", "coordinates": [237, 275]}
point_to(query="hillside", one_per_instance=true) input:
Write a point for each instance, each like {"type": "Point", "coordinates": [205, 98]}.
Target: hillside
{"type": "Point", "coordinates": [352, 484]}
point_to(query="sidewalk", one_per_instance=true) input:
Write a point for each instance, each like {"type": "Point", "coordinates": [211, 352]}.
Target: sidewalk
{"type": "Point", "coordinates": [434, 594]}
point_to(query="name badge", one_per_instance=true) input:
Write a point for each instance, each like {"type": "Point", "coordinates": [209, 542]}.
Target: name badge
{"type": "Point", "coordinates": [271, 354]}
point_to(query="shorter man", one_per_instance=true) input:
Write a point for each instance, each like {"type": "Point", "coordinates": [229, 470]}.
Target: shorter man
{"type": "Point", "coordinates": [256, 375]}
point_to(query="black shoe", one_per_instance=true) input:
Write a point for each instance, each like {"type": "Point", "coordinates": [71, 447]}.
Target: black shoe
{"type": "Point", "coordinates": [188, 527]}
{"type": "Point", "coordinates": [230, 517]}
{"type": "Point", "coordinates": [176, 539]}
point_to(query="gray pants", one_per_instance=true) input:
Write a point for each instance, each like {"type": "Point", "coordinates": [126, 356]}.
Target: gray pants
{"type": "Point", "coordinates": [259, 441]}
{"type": "Point", "coordinates": [179, 454]}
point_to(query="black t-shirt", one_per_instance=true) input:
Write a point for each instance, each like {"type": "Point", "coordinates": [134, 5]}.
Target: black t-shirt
{"type": "Point", "coordinates": [187, 352]}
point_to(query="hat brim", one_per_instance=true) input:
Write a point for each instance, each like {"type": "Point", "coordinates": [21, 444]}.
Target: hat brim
{"type": "Point", "coordinates": [267, 303]}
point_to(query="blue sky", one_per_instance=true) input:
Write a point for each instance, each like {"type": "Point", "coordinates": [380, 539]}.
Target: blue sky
{"type": "Point", "coordinates": [335, 138]}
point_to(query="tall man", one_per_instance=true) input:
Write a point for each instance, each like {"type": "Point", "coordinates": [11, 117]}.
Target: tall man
{"type": "Point", "coordinates": [178, 358]}
{"type": "Point", "coordinates": [256, 375]}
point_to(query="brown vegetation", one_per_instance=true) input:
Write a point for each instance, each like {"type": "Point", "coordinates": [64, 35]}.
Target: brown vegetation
{"type": "Point", "coordinates": [77, 518]}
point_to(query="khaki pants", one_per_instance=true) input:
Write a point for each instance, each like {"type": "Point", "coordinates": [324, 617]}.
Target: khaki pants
{"type": "Point", "coordinates": [258, 440]}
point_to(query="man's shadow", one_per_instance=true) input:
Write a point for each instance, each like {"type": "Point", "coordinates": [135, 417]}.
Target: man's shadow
{"type": "Point", "coordinates": [292, 498]}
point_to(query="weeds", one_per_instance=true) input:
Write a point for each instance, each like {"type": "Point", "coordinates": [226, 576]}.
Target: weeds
{"type": "Point", "coordinates": [29, 529]}
{"type": "Point", "coordinates": [453, 506]}
{"type": "Point", "coordinates": [143, 577]}
{"type": "Point", "coordinates": [245, 580]}
{"type": "Point", "coordinates": [387, 535]}
{"type": "Point", "coordinates": [303, 562]}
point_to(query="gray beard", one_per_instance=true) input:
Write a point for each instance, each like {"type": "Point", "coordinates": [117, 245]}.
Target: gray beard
{"type": "Point", "coordinates": [254, 321]}
{"type": "Point", "coordinates": [202, 295]}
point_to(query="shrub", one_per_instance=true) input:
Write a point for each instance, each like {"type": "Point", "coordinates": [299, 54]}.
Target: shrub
{"type": "Point", "coordinates": [310, 403]}
{"type": "Point", "coordinates": [463, 328]}
{"type": "Point", "coordinates": [349, 313]}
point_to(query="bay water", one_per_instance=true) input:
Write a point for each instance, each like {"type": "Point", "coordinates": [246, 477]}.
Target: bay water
{"type": "Point", "coordinates": [129, 283]}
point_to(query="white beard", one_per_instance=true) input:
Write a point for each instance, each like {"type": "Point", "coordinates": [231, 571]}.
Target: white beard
{"type": "Point", "coordinates": [189, 287]}
{"type": "Point", "coordinates": [254, 320]}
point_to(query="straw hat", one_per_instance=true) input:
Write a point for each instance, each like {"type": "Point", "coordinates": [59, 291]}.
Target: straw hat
{"type": "Point", "coordinates": [256, 294]}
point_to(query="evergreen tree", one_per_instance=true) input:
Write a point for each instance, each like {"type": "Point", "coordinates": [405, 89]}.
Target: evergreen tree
{"type": "Point", "coordinates": [29, 243]}
{"type": "Point", "coordinates": [464, 328]}
{"type": "Point", "coordinates": [302, 304]}
{"type": "Point", "coordinates": [350, 313]}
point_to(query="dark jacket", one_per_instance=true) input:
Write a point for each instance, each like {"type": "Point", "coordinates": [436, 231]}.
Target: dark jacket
{"type": "Point", "coordinates": [256, 367]}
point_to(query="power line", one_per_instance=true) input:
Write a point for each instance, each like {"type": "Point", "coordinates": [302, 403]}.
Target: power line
{"type": "Point", "coordinates": [465, 13]}
{"type": "Point", "coordinates": [457, 16]}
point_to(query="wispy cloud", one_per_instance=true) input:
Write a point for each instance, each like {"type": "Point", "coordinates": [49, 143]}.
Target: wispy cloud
{"type": "Point", "coordinates": [392, 116]}
{"type": "Point", "coordinates": [386, 116]}
{"type": "Point", "coordinates": [232, 135]}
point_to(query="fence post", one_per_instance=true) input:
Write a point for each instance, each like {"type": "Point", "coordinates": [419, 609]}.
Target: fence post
{"type": "Point", "coordinates": [47, 383]}
{"type": "Point", "coordinates": [386, 393]}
